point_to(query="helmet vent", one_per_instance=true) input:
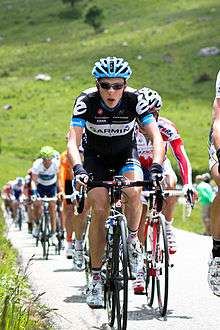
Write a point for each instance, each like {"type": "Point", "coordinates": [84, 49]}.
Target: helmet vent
{"type": "Point", "coordinates": [111, 66]}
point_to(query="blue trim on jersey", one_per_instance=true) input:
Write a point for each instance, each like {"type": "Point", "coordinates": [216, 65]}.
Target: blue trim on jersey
{"type": "Point", "coordinates": [130, 167]}
{"type": "Point", "coordinates": [147, 119]}
{"type": "Point", "coordinates": [46, 177]}
{"type": "Point", "coordinates": [78, 122]}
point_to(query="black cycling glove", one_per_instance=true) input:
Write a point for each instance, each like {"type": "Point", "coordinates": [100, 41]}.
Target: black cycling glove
{"type": "Point", "coordinates": [80, 173]}
{"type": "Point", "coordinates": [78, 170]}
{"type": "Point", "coordinates": [156, 172]}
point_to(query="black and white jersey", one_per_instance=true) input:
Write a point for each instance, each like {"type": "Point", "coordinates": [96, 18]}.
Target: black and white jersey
{"type": "Point", "coordinates": [110, 131]}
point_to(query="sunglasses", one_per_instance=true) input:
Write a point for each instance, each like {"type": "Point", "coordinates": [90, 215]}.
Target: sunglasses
{"type": "Point", "coordinates": [115, 86]}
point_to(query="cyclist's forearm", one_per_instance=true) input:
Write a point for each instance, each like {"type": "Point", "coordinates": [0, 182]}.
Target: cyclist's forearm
{"type": "Point", "coordinates": [156, 139]}
{"type": "Point", "coordinates": [158, 152]}
{"type": "Point", "coordinates": [34, 182]}
{"type": "Point", "coordinates": [74, 140]}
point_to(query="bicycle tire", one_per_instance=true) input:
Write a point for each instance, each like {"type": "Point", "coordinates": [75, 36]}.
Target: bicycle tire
{"type": "Point", "coordinates": [122, 318]}
{"type": "Point", "coordinates": [45, 236]}
{"type": "Point", "coordinates": [150, 278]}
{"type": "Point", "coordinates": [119, 296]}
{"type": "Point", "coordinates": [109, 298]}
{"type": "Point", "coordinates": [58, 247]}
{"type": "Point", "coordinates": [19, 218]}
{"type": "Point", "coordinates": [162, 280]}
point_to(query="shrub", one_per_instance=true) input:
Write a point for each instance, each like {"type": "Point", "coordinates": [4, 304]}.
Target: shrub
{"type": "Point", "coordinates": [71, 2]}
{"type": "Point", "coordinates": [94, 17]}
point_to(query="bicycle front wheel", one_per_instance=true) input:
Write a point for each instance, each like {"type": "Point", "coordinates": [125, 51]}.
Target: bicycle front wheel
{"type": "Point", "coordinates": [120, 275]}
{"type": "Point", "coordinates": [150, 271]}
{"type": "Point", "coordinates": [162, 258]}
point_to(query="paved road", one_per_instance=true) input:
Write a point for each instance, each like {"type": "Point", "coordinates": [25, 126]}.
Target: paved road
{"type": "Point", "coordinates": [191, 304]}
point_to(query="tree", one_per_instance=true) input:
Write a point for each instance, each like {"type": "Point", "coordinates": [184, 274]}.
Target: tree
{"type": "Point", "coordinates": [94, 17]}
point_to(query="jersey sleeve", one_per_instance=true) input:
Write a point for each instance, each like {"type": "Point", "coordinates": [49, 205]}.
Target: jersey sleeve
{"type": "Point", "coordinates": [182, 160]}
{"type": "Point", "coordinates": [217, 85]}
{"type": "Point", "coordinates": [79, 112]}
{"type": "Point", "coordinates": [35, 167]}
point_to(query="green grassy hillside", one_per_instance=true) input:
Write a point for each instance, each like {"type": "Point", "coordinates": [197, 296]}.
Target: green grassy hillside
{"type": "Point", "coordinates": [143, 28]}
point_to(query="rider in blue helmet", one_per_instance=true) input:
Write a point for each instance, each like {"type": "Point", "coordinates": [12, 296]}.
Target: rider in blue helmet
{"type": "Point", "coordinates": [106, 115]}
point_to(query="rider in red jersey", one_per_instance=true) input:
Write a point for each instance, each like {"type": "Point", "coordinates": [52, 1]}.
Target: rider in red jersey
{"type": "Point", "coordinates": [172, 139]}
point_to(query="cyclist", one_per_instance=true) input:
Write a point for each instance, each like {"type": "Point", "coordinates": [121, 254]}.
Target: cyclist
{"type": "Point", "coordinates": [29, 204]}
{"type": "Point", "coordinates": [108, 113]}
{"type": "Point", "coordinates": [18, 191]}
{"type": "Point", "coordinates": [214, 166]}
{"type": "Point", "coordinates": [8, 198]}
{"type": "Point", "coordinates": [172, 139]}
{"type": "Point", "coordinates": [44, 183]}
{"type": "Point", "coordinates": [73, 222]}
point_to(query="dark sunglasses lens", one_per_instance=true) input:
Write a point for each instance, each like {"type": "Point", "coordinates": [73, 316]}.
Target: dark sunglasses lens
{"type": "Point", "coordinates": [105, 85]}
{"type": "Point", "coordinates": [115, 86]}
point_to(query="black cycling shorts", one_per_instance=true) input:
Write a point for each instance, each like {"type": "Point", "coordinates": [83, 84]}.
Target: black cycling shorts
{"type": "Point", "coordinates": [104, 168]}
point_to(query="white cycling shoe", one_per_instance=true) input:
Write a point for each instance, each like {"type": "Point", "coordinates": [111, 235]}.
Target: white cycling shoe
{"type": "Point", "coordinates": [69, 250]}
{"type": "Point", "coordinates": [214, 275]}
{"type": "Point", "coordinates": [53, 239]}
{"type": "Point", "coordinates": [135, 256]}
{"type": "Point", "coordinates": [95, 294]}
{"type": "Point", "coordinates": [78, 260]}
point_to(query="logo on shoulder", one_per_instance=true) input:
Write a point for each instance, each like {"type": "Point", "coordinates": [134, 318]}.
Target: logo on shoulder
{"type": "Point", "coordinates": [80, 108]}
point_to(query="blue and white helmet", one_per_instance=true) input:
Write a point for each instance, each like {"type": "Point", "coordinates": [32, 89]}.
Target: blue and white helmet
{"type": "Point", "coordinates": [111, 67]}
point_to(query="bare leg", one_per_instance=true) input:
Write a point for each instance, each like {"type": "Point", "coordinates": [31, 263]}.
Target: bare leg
{"type": "Point", "coordinates": [99, 201]}
{"type": "Point", "coordinates": [142, 225]}
{"type": "Point", "coordinates": [133, 205]}
{"type": "Point", "coordinates": [170, 203]}
{"type": "Point", "coordinates": [52, 210]}
{"type": "Point", "coordinates": [215, 208]}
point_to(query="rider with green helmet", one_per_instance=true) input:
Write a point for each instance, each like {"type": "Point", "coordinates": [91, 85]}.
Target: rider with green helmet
{"type": "Point", "coordinates": [44, 178]}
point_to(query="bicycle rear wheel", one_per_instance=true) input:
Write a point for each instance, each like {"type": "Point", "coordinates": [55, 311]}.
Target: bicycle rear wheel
{"type": "Point", "coordinates": [45, 236]}
{"type": "Point", "coordinates": [150, 272]}
{"type": "Point", "coordinates": [162, 258]}
{"type": "Point", "coordinates": [119, 301]}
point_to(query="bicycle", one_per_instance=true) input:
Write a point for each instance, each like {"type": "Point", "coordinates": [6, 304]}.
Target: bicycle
{"type": "Point", "coordinates": [117, 268]}
{"type": "Point", "coordinates": [156, 255]}
{"type": "Point", "coordinates": [45, 232]}
{"type": "Point", "coordinates": [20, 217]}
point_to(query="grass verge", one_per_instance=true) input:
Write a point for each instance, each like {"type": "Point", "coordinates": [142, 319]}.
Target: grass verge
{"type": "Point", "coordinates": [19, 307]}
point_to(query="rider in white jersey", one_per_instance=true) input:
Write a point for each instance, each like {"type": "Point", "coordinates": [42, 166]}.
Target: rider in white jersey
{"type": "Point", "coordinates": [44, 183]}
{"type": "Point", "coordinates": [214, 166]}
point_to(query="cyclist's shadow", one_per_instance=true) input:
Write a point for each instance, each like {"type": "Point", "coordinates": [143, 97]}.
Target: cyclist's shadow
{"type": "Point", "coordinates": [77, 298]}
{"type": "Point", "coordinates": [149, 313]}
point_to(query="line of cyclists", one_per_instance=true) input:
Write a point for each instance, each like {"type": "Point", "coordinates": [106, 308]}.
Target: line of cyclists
{"type": "Point", "coordinates": [51, 175]}
{"type": "Point", "coordinates": [114, 129]}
